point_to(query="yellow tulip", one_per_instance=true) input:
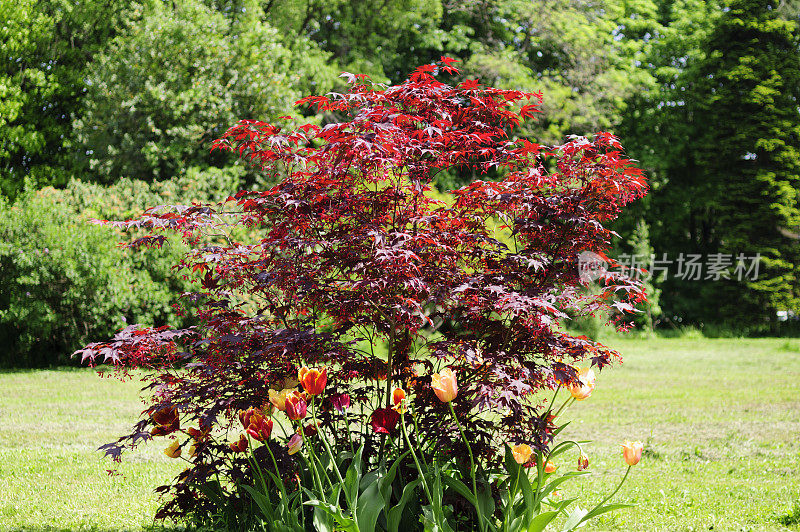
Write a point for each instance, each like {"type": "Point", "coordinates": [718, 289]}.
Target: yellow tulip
{"type": "Point", "coordinates": [444, 385]}
{"type": "Point", "coordinates": [522, 453]}
{"type": "Point", "coordinates": [174, 449]}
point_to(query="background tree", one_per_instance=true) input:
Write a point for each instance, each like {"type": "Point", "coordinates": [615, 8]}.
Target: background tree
{"type": "Point", "coordinates": [176, 78]}
{"type": "Point", "coordinates": [731, 188]}
{"type": "Point", "coordinates": [46, 45]}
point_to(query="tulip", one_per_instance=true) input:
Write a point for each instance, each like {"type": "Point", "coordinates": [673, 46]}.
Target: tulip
{"type": "Point", "coordinates": [399, 400]}
{"type": "Point", "coordinates": [174, 449]}
{"type": "Point", "coordinates": [250, 416]}
{"type": "Point", "coordinates": [384, 420]}
{"type": "Point", "coordinates": [583, 462]}
{"type": "Point", "coordinates": [296, 406]}
{"type": "Point", "coordinates": [522, 453]}
{"type": "Point", "coordinates": [311, 430]}
{"type": "Point", "coordinates": [340, 402]}
{"type": "Point", "coordinates": [166, 420]}
{"type": "Point", "coordinates": [549, 467]}
{"type": "Point", "coordinates": [239, 446]}
{"type": "Point", "coordinates": [192, 451]}
{"type": "Point", "coordinates": [444, 385]}
{"type": "Point", "coordinates": [313, 380]}
{"type": "Point", "coordinates": [197, 434]}
{"type": "Point", "coordinates": [585, 386]}
{"type": "Point", "coordinates": [294, 444]}
{"type": "Point", "coordinates": [260, 428]}
{"type": "Point", "coordinates": [277, 399]}
{"type": "Point", "coordinates": [632, 452]}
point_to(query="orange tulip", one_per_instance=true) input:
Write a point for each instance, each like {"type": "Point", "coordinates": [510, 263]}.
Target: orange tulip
{"type": "Point", "coordinates": [522, 453]}
{"type": "Point", "coordinates": [583, 462]}
{"type": "Point", "coordinates": [632, 452]}
{"type": "Point", "coordinates": [444, 385]}
{"type": "Point", "coordinates": [313, 380]}
{"type": "Point", "coordinates": [585, 385]}
{"type": "Point", "coordinates": [549, 467]}
{"type": "Point", "coordinates": [174, 449]}
{"type": "Point", "coordinates": [399, 400]}
{"type": "Point", "coordinates": [295, 442]}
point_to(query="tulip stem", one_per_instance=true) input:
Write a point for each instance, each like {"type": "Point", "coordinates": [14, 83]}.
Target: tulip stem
{"type": "Point", "coordinates": [565, 405]}
{"type": "Point", "coordinates": [481, 524]}
{"type": "Point", "coordinates": [416, 460]}
{"type": "Point", "coordinates": [621, 482]}
{"type": "Point", "coordinates": [325, 443]}
{"type": "Point", "coordinates": [511, 497]}
{"type": "Point", "coordinates": [352, 504]}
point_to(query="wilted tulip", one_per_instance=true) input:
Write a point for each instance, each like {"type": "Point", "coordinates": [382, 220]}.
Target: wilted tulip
{"type": "Point", "coordinates": [313, 380]}
{"type": "Point", "coordinates": [632, 452]}
{"type": "Point", "coordinates": [239, 446]}
{"type": "Point", "coordinates": [197, 434]}
{"type": "Point", "coordinates": [522, 453]}
{"type": "Point", "coordinates": [444, 385]}
{"type": "Point", "coordinates": [296, 406]}
{"type": "Point", "coordinates": [174, 449]}
{"type": "Point", "coordinates": [295, 443]}
{"type": "Point", "coordinates": [585, 386]}
{"type": "Point", "coordinates": [384, 420]}
{"type": "Point", "coordinates": [399, 400]}
{"type": "Point", "coordinates": [583, 462]}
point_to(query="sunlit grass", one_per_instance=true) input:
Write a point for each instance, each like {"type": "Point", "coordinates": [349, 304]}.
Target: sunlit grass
{"type": "Point", "coordinates": [720, 420]}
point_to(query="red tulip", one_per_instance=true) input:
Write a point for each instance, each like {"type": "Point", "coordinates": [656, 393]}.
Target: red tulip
{"type": "Point", "coordinates": [340, 402]}
{"type": "Point", "coordinates": [295, 406]}
{"type": "Point", "coordinates": [260, 428]}
{"type": "Point", "coordinates": [384, 420]}
{"type": "Point", "coordinates": [239, 446]}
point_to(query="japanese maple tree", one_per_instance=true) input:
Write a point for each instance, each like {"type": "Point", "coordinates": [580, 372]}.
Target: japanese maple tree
{"type": "Point", "coordinates": [355, 251]}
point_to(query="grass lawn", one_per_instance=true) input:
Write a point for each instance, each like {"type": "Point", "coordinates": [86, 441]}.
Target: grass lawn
{"type": "Point", "coordinates": [720, 420]}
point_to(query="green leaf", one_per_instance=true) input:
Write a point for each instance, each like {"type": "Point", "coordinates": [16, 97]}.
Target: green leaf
{"type": "Point", "coordinates": [263, 503]}
{"type": "Point", "coordinates": [396, 512]}
{"type": "Point", "coordinates": [370, 504]}
{"type": "Point", "coordinates": [542, 520]}
{"type": "Point", "coordinates": [574, 519]}
{"type": "Point", "coordinates": [460, 487]}
{"type": "Point", "coordinates": [604, 509]}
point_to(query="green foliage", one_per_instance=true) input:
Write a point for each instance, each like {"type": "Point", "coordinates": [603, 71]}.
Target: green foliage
{"type": "Point", "coordinates": [177, 78]}
{"type": "Point", "coordinates": [63, 281]}
{"type": "Point", "coordinates": [45, 46]}
{"type": "Point", "coordinates": [731, 188]}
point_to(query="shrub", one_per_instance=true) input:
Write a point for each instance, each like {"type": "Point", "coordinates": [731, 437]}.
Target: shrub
{"type": "Point", "coordinates": [354, 252]}
{"type": "Point", "coordinates": [63, 281]}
